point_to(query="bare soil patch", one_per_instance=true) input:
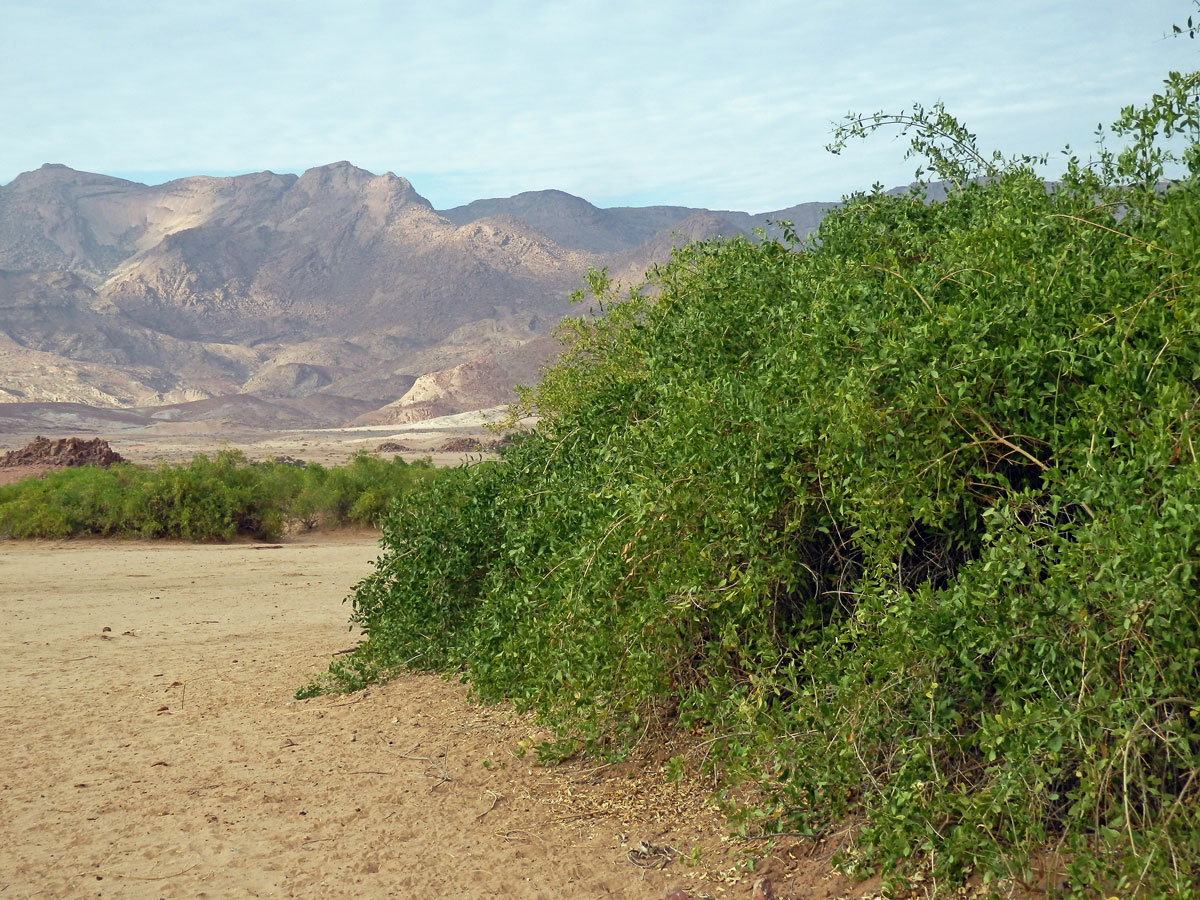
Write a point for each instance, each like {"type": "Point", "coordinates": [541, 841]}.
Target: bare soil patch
{"type": "Point", "coordinates": [10, 474]}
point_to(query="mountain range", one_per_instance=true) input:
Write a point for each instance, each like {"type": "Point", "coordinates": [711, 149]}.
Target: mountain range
{"type": "Point", "coordinates": [334, 296]}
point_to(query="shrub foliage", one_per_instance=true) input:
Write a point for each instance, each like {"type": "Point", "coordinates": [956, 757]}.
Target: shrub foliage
{"type": "Point", "coordinates": [214, 499]}
{"type": "Point", "coordinates": [903, 521]}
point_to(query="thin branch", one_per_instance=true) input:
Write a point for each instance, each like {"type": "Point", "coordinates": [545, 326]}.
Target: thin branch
{"type": "Point", "coordinates": [904, 280]}
{"type": "Point", "coordinates": [1114, 231]}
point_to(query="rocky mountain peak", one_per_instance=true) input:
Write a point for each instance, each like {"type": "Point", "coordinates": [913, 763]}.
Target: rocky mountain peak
{"type": "Point", "coordinates": [55, 176]}
{"type": "Point", "coordinates": [341, 175]}
{"type": "Point", "coordinates": [338, 190]}
{"type": "Point", "coordinates": [342, 179]}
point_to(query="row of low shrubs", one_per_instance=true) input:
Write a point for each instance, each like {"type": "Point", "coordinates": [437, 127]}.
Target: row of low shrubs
{"type": "Point", "coordinates": [903, 524]}
{"type": "Point", "coordinates": [209, 499]}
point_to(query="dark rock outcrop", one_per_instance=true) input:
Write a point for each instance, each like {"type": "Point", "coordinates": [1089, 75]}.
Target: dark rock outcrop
{"type": "Point", "coordinates": [61, 453]}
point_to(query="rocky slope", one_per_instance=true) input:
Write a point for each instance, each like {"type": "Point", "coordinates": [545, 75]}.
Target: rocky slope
{"type": "Point", "coordinates": [336, 284]}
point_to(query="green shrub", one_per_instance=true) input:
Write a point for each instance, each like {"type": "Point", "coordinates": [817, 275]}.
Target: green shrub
{"type": "Point", "coordinates": [213, 499]}
{"type": "Point", "coordinates": [903, 519]}
{"type": "Point", "coordinates": [86, 500]}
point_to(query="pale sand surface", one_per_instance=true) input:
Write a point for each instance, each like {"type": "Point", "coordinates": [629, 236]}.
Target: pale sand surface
{"type": "Point", "coordinates": [166, 757]}
{"type": "Point", "coordinates": [329, 448]}
{"type": "Point", "coordinates": [178, 442]}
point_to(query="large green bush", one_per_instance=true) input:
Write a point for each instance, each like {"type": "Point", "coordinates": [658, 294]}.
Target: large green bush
{"type": "Point", "coordinates": [903, 520]}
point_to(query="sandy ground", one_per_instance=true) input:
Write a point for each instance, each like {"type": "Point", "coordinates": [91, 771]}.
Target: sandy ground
{"type": "Point", "coordinates": [150, 747]}
{"type": "Point", "coordinates": [329, 447]}
{"type": "Point", "coordinates": [179, 442]}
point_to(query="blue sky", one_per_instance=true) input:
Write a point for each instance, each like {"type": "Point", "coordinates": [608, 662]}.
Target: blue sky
{"type": "Point", "coordinates": [722, 104]}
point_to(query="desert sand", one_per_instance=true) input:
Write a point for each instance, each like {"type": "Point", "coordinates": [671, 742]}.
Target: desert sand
{"type": "Point", "coordinates": [178, 442]}
{"type": "Point", "coordinates": [151, 747]}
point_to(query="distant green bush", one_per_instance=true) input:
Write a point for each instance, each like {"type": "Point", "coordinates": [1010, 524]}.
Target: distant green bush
{"type": "Point", "coordinates": [904, 521]}
{"type": "Point", "coordinates": [214, 499]}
